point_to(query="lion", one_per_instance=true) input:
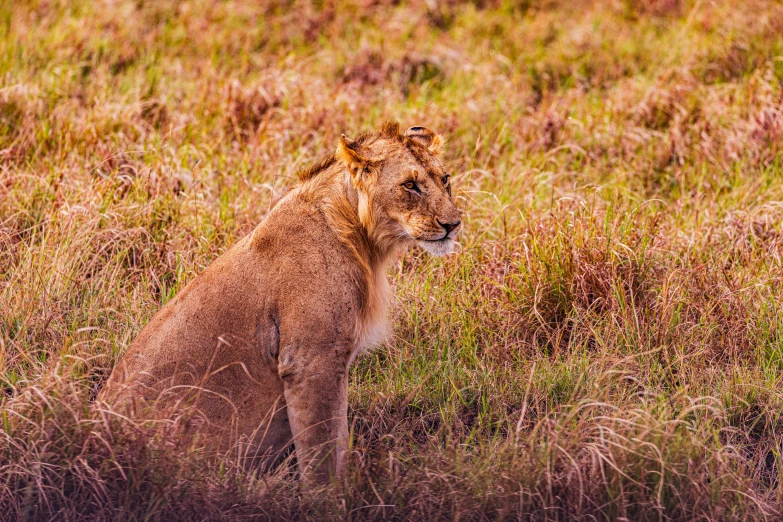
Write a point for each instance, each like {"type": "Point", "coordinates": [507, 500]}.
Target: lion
{"type": "Point", "coordinates": [258, 346]}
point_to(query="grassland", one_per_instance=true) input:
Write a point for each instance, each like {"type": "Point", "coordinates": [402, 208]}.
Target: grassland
{"type": "Point", "coordinates": [607, 343]}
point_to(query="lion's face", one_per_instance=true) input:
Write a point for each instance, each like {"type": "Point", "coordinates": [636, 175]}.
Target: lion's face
{"type": "Point", "coordinates": [414, 191]}
{"type": "Point", "coordinates": [407, 187]}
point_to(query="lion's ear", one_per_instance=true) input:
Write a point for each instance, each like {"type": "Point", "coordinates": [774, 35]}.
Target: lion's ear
{"type": "Point", "coordinates": [349, 152]}
{"type": "Point", "coordinates": [354, 157]}
{"type": "Point", "coordinates": [426, 138]}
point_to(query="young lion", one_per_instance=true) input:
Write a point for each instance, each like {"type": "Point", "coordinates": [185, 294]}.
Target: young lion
{"type": "Point", "coordinates": [258, 346]}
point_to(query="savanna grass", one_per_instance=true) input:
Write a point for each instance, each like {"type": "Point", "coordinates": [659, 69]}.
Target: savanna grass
{"type": "Point", "coordinates": [607, 343]}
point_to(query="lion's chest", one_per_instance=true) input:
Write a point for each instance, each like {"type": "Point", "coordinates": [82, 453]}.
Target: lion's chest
{"type": "Point", "coordinates": [373, 327]}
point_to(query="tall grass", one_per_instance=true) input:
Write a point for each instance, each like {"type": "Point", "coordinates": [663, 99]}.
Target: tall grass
{"type": "Point", "coordinates": [607, 343]}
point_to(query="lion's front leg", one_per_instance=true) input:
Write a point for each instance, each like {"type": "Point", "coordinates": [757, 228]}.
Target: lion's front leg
{"type": "Point", "coordinates": [316, 395]}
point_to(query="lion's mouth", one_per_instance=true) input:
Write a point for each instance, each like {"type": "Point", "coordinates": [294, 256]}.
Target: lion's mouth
{"type": "Point", "coordinates": [446, 237]}
{"type": "Point", "coordinates": [437, 247]}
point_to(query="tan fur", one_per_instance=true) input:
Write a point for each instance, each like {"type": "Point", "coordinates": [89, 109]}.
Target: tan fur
{"type": "Point", "coordinates": [256, 349]}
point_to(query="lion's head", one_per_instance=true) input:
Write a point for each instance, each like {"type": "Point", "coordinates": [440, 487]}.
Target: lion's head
{"type": "Point", "coordinates": [404, 190]}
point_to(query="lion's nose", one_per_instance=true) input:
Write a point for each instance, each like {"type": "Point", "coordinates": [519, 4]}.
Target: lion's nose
{"type": "Point", "coordinates": [449, 226]}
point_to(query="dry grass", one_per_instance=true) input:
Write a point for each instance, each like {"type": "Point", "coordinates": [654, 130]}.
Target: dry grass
{"type": "Point", "coordinates": [608, 343]}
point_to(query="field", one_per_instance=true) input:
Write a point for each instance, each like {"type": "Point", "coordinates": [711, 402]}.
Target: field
{"type": "Point", "coordinates": [607, 343]}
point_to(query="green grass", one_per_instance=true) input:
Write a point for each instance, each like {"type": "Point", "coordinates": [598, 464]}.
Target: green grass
{"type": "Point", "coordinates": [607, 343]}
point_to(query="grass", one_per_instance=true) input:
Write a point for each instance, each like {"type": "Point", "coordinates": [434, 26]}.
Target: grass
{"type": "Point", "coordinates": [607, 344]}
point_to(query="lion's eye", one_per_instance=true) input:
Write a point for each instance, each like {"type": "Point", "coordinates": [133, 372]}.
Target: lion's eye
{"type": "Point", "coordinates": [411, 185]}
{"type": "Point", "coordinates": [445, 180]}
